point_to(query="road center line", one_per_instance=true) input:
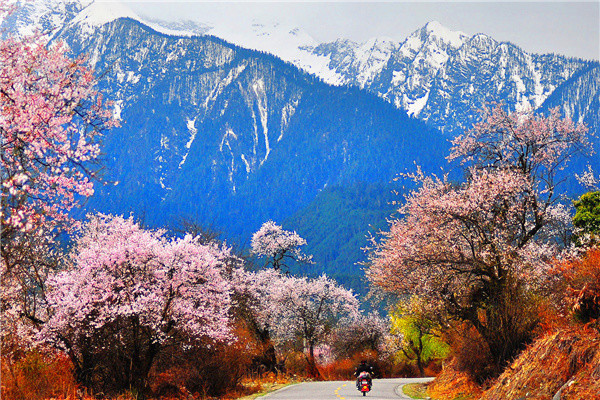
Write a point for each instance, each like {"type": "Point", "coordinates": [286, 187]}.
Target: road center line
{"type": "Point", "coordinates": [337, 393]}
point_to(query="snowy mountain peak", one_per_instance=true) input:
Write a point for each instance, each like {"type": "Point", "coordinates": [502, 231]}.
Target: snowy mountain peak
{"type": "Point", "coordinates": [433, 36]}
{"type": "Point", "coordinates": [454, 38]}
{"type": "Point", "coordinates": [99, 13]}
{"type": "Point", "coordinates": [40, 16]}
{"type": "Point", "coordinates": [481, 40]}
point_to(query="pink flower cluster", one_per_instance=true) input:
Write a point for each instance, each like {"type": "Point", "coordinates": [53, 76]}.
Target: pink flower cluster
{"type": "Point", "coordinates": [504, 220]}
{"type": "Point", "coordinates": [50, 113]}
{"type": "Point", "coordinates": [122, 272]}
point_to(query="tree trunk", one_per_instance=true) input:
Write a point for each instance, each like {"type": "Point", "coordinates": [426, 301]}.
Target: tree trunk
{"type": "Point", "coordinates": [312, 370]}
{"type": "Point", "coordinates": [420, 354]}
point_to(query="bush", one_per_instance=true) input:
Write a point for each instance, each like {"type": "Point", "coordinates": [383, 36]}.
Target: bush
{"type": "Point", "coordinates": [207, 369]}
{"type": "Point", "coordinates": [470, 352]}
{"type": "Point", "coordinates": [452, 383]}
{"type": "Point", "coordinates": [37, 376]}
{"type": "Point", "coordinates": [296, 363]}
{"type": "Point", "coordinates": [582, 291]}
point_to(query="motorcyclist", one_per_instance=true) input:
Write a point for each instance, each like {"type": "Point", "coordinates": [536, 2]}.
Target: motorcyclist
{"type": "Point", "coordinates": [364, 367]}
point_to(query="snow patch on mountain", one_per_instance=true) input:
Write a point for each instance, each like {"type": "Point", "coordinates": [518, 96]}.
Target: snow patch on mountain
{"type": "Point", "coordinates": [97, 14]}
{"type": "Point", "coordinates": [289, 43]}
{"type": "Point", "coordinates": [414, 106]}
{"type": "Point", "coordinates": [453, 38]}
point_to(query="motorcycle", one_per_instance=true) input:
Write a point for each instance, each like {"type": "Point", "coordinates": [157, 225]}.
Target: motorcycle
{"type": "Point", "coordinates": [363, 383]}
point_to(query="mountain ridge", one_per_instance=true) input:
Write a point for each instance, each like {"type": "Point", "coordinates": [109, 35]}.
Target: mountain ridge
{"type": "Point", "coordinates": [416, 74]}
{"type": "Point", "coordinates": [231, 137]}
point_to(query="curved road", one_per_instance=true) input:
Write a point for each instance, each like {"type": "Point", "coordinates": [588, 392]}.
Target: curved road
{"type": "Point", "coordinates": [383, 389]}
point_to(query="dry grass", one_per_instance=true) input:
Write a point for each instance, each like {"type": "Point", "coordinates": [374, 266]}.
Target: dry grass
{"type": "Point", "coordinates": [415, 390]}
{"type": "Point", "coordinates": [570, 357]}
{"type": "Point", "coordinates": [453, 384]}
{"type": "Point", "coordinates": [38, 376]}
{"type": "Point", "coordinates": [264, 388]}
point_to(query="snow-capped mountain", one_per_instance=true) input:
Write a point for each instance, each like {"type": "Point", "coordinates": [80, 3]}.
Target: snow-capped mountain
{"type": "Point", "coordinates": [435, 74]}
{"type": "Point", "coordinates": [231, 137]}
{"type": "Point", "coordinates": [401, 72]}
{"type": "Point", "coordinates": [441, 76]}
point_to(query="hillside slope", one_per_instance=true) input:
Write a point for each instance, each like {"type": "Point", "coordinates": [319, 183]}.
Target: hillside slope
{"type": "Point", "coordinates": [566, 361]}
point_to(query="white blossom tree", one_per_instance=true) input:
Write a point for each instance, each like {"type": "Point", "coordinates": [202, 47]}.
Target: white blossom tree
{"type": "Point", "coordinates": [287, 308]}
{"type": "Point", "coordinates": [277, 245]}
{"type": "Point", "coordinates": [362, 333]}
{"type": "Point", "coordinates": [309, 309]}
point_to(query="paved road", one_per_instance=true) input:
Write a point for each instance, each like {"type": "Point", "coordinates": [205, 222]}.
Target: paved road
{"type": "Point", "coordinates": [383, 389]}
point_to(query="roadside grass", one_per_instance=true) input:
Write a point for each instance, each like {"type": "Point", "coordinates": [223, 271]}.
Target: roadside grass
{"type": "Point", "coordinates": [263, 388]}
{"type": "Point", "coordinates": [419, 391]}
{"type": "Point", "coordinates": [416, 390]}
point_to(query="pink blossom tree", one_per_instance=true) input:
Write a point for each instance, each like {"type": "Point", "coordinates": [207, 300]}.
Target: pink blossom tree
{"type": "Point", "coordinates": [50, 117]}
{"type": "Point", "coordinates": [285, 308]}
{"type": "Point", "coordinates": [308, 309]}
{"type": "Point", "coordinates": [277, 245]}
{"type": "Point", "coordinates": [131, 293]}
{"type": "Point", "coordinates": [477, 248]}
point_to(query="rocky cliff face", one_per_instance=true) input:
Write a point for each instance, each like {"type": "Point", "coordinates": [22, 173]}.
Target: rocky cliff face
{"type": "Point", "coordinates": [579, 98]}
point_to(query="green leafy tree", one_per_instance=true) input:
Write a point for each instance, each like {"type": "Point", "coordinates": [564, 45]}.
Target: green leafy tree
{"type": "Point", "coordinates": [418, 326]}
{"type": "Point", "coordinates": [587, 219]}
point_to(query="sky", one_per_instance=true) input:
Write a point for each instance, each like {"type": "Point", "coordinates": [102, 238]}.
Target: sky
{"type": "Point", "coordinates": [570, 28]}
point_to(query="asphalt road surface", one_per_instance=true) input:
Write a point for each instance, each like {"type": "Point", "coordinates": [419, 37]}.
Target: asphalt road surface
{"type": "Point", "coordinates": [383, 389]}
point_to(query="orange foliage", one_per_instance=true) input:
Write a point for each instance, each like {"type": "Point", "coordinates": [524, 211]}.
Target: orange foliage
{"type": "Point", "coordinates": [453, 383]}
{"type": "Point", "coordinates": [338, 370]}
{"type": "Point", "coordinates": [582, 280]}
{"type": "Point", "coordinates": [470, 352]}
{"type": "Point", "coordinates": [568, 359]}
{"type": "Point", "coordinates": [38, 376]}
{"type": "Point", "coordinates": [384, 368]}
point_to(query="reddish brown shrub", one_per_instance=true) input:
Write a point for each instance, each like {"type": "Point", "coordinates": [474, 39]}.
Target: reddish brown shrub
{"type": "Point", "coordinates": [383, 368]}
{"type": "Point", "coordinates": [37, 376]}
{"type": "Point", "coordinates": [207, 369]}
{"type": "Point", "coordinates": [471, 353]}
{"type": "Point", "coordinates": [453, 383]}
{"type": "Point", "coordinates": [338, 370]}
{"type": "Point", "coordinates": [296, 363]}
{"type": "Point", "coordinates": [582, 280]}
{"type": "Point", "coordinates": [567, 359]}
